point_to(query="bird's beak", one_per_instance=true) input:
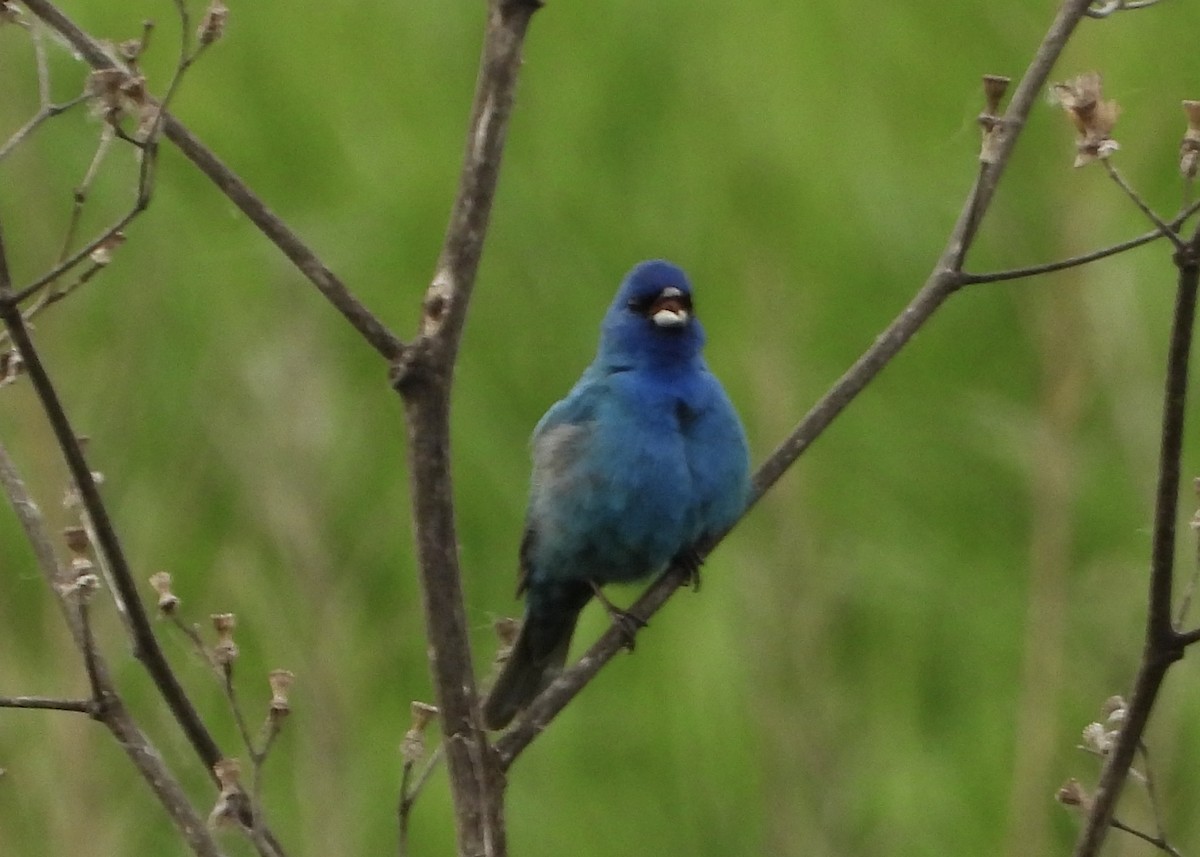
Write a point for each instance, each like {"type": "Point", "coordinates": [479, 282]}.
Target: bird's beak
{"type": "Point", "coordinates": [669, 309]}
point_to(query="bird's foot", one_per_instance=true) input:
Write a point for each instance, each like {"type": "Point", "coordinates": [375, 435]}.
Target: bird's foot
{"type": "Point", "coordinates": [626, 623]}
{"type": "Point", "coordinates": [690, 561]}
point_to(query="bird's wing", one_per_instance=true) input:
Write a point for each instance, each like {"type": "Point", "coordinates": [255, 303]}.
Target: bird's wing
{"type": "Point", "coordinates": [557, 444]}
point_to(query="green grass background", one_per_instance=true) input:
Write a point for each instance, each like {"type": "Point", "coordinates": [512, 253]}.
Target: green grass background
{"type": "Point", "coordinates": [893, 654]}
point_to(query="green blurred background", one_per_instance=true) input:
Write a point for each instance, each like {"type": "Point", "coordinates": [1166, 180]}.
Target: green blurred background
{"type": "Point", "coordinates": [893, 654]}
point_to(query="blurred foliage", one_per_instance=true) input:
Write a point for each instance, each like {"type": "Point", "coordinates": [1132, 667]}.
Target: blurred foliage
{"type": "Point", "coordinates": [893, 655]}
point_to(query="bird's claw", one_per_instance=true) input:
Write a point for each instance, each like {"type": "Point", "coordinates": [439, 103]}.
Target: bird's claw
{"type": "Point", "coordinates": [627, 625]}
{"type": "Point", "coordinates": [689, 562]}
{"type": "Point", "coordinates": [626, 622]}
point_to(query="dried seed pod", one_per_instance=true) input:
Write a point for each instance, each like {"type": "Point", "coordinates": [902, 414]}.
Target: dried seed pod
{"type": "Point", "coordinates": [212, 25]}
{"type": "Point", "coordinates": [225, 651]}
{"type": "Point", "coordinates": [281, 684]}
{"type": "Point", "coordinates": [1092, 117]}
{"type": "Point", "coordinates": [168, 601]}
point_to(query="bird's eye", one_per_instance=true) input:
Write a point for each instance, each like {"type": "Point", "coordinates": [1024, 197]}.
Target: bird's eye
{"type": "Point", "coordinates": [641, 305]}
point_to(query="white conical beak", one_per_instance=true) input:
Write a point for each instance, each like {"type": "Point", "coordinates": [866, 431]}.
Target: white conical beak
{"type": "Point", "coordinates": [669, 310]}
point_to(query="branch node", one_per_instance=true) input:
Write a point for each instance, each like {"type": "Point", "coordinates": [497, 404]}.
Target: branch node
{"type": "Point", "coordinates": [411, 367]}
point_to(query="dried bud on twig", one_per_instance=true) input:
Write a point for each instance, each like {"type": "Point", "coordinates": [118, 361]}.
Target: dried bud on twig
{"type": "Point", "coordinates": [129, 50]}
{"type": "Point", "coordinates": [231, 806]}
{"type": "Point", "coordinates": [11, 366]}
{"type": "Point", "coordinates": [281, 683]}
{"type": "Point", "coordinates": [412, 748]}
{"type": "Point", "coordinates": [102, 255]}
{"type": "Point", "coordinates": [1189, 148]}
{"type": "Point", "coordinates": [1073, 794]}
{"type": "Point", "coordinates": [506, 629]}
{"type": "Point", "coordinates": [82, 582]}
{"type": "Point", "coordinates": [212, 26]}
{"type": "Point", "coordinates": [225, 651]}
{"type": "Point", "coordinates": [1092, 117]}
{"type": "Point", "coordinates": [115, 94]}
{"type": "Point", "coordinates": [77, 540]}
{"type": "Point", "coordinates": [229, 774]}
{"type": "Point", "coordinates": [168, 601]}
{"type": "Point", "coordinates": [1097, 739]}
{"type": "Point", "coordinates": [994, 87]}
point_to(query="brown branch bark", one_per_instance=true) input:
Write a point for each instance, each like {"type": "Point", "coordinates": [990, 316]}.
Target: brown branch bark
{"type": "Point", "coordinates": [1163, 645]}
{"type": "Point", "coordinates": [423, 376]}
{"type": "Point", "coordinates": [49, 703]}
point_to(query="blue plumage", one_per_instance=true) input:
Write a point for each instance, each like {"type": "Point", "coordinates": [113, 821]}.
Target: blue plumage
{"type": "Point", "coordinates": [643, 459]}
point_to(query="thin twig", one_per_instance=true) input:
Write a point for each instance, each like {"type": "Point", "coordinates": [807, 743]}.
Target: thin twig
{"type": "Point", "coordinates": [1152, 791]}
{"type": "Point", "coordinates": [44, 113]}
{"type": "Point", "coordinates": [147, 149]}
{"type": "Point", "coordinates": [306, 261]}
{"type": "Point", "coordinates": [1162, 225]}
{"type": "Point", "coordinates": [90, 653]}
{"type": "Point", "coordinates": [146, 647]}
{"type": "Point", "coordinates": [48, 703]}
{"type": "Point", "coordinates": [1157, 841]}
{"type": "Point", "coordinates": [46, 108]}
{"type": "Point", "coordinates": [410, 790]}
{"type": "Point", "coordinates": [75, 258]}
{"type": "Point", "coordinates": [1083, 259]}
{"type": "Point", "coordinates": [115, 716]}
{"type": "Point", "coordinates": [1189, 591]}
{"type": "Point", "coordinates": [969, 279]}
{"type": "Point", "coordinates": [43, 66]}
{"type": "Point", "coordinates": [1163, 645]}
{"type": "Point", "coordinates": [236, 708]}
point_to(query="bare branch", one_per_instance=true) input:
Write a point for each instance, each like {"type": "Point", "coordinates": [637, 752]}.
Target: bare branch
{"type": "Point", "coordinates": [1163, 645]}
{"type": "Point", "coordinates": [146, 647]}
{"type": "Point", "coordinates": [1163, 226]}
{"type": "Point", "coordinates": [946, 276]}
{"type": "Point", "coordinates": [112, 713]}
{"type": "Point", "coordinates": [371, 329]}
{"type": "Point", "coordinates": [82, 706]}
{"type": "Point", "coordinates": [1157, 841]}
{"type": "Point", "coordinates": [969, 279]}
{"type": "Point", "coordinates": [423, 377]}
{"type": "Point", "coordinates": [47, 112]}
{"type": "Point", "coordinates": [410, 790]}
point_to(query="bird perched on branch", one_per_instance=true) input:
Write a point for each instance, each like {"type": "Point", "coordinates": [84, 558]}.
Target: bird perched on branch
{"type": "Point", "coordinates": [644, 459]}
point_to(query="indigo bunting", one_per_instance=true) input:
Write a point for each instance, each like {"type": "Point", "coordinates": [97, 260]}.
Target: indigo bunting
{"type": "Point", "coordinates": [644, 459]}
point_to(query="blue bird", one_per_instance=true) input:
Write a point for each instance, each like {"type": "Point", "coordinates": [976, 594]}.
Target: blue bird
{"type": "Point", "coordinates": [644, 459]}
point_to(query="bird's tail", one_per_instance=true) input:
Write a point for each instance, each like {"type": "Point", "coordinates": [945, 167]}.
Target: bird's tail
{"type": "Point", "coordinates": [537, 657]}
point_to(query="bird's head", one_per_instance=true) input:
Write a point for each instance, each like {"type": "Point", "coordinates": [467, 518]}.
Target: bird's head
{"type": "Point", "coordinates": [652, 320]}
